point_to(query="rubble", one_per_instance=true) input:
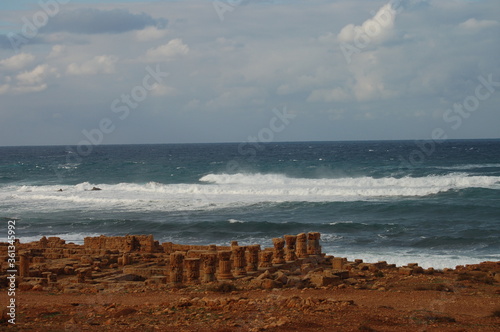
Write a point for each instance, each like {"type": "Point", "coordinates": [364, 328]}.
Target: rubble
{"type": "Point", "coordinates": [105, 263]}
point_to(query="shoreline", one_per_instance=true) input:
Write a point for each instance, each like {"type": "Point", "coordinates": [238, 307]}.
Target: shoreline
{"type": "Point", "coordinates": [400, 259]}
{"type": "Point", "coordinates": [133, 281]}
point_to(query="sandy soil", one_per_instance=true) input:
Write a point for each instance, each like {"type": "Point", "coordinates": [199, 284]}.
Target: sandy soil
{"type": "Point", "coordinates": [438, 302]}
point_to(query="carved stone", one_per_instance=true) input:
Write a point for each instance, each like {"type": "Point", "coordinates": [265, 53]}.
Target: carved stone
{"type": "Point", "coordinates": [43, 242]}
{"type": "Point", "coordinates": [301, 246]}
{"type": "Point", "coordinates": [279, 251]}
{"type": "Point", "coordinates": [266, 258]}
{"type": "Point", "coordinates": [24, 265]}
{"type": "Point", "coordinates": [82, 274]}
{"type": "Point", "coordinates": [176, 267]}
{"type": "Point", "coordinates": [192, 270]}
{"type": "Point", "coordinates": [338, 263]}
{"type": "Point", "coordinates": [101, 257]}
{"type": "Point", "coordinates": [239, 261]}
{"type": "Point", "coordinates": [290, 247]}
{"type": "Point", "coordinates": [225, 265]}
{"type": "Point", "coordinates": [209, 267]}
{"type": "Point", "coordinates": [253, 257]}
{"type": "Point", "coordinates": [313, 247]}
{"type": "Point", "coordinates": [125, 259]}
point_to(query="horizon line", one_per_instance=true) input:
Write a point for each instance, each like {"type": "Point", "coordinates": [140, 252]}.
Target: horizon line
{"type": "Point", "coordinates": [274, 142]}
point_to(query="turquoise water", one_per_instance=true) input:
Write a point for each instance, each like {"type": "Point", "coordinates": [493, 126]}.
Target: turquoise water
{"type": "Point", "coordinates": [437, 204]}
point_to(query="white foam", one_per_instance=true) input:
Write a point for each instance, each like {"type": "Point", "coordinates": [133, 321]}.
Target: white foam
{"type": "Point", "coordinates": [235, 221]}
{"type": "Point", "coordinates": [328, 189]}
{"type": "Point", "coordinates": [341, 222]}
{"type": "Point", "coordinates": [224, 190]}
{"type": "Point", "coordinates": [469, 166]}
{"type": "Point", "coordinates": [401, 258]}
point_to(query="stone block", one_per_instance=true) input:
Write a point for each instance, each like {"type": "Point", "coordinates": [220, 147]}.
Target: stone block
{"type": "Point", "coordinates": [319, 280]}
{"type": "Point", "coordinates": [156, 280]}
{"type": "Point", "coordinates": [364, 266]}
{"type": "Point", "coordinates": [38, 260]}
{"type": "Point", "coordinates": [338, 263]}
{"type": "Point", "coordinates": [281, 277]}
{"type": "Point", "coordinates": [342, 274]}
{"type": "Point", "coordinates": [306, 268]}
{"type": "Point", "coordinates": [351, 281]}
{"type": "Point", "coordinates": [270, 284]}
{"type": "Point", "coordinates": [417, 270]}
{"type": "Point", "coordinates": [381, 265]}
{"type": "Point", "coordinates": [265, 275]}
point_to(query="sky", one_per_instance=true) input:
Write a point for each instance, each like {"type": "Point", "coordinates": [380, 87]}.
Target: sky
{"type": "Point", "coordinates": [132, 72]}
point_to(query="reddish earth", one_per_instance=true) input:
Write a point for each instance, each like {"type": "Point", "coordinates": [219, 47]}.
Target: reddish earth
{"type": "Point", "coordinates": [133, 283]}
{"type": "Point", "coordinates": [439, 302]}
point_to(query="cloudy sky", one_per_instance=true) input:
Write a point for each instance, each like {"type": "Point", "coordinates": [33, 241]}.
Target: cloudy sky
{"type": "Point", "coordinates": [222, 71]}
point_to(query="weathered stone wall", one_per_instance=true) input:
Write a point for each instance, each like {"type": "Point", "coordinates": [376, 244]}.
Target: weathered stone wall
{"type": "Point", "coordinates": [169, 247]}
{"type": "Point", "coordinates": [51, 263]}
{"type": "Point", "coordinates": [137, 257]}
{"type": "Point", "coordinates": [128, 243]}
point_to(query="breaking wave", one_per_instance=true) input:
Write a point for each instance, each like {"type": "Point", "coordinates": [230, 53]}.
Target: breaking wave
{"type": "Point", "coordinates": [229, 190]}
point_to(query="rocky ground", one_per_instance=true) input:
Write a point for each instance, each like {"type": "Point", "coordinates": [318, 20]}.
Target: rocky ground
{"type": "Point", "coordinates": [134, 283]}
{"type": "Point", "coordinates": [464, 299]}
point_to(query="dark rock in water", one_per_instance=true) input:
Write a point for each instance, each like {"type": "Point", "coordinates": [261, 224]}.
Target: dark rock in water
{"type": "Point", "coordinates": [95, 188]}
{"type": "Point", "coordinates": [60, 190]}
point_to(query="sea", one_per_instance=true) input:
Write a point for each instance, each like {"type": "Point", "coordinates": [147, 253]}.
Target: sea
{"type": "Point", "coordinates": [435, 203]}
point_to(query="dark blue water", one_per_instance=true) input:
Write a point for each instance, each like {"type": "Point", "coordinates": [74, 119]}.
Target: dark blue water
{"type": "Point", "coordinates": [437, 204]}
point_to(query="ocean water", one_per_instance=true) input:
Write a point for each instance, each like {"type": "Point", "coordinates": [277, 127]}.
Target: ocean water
{"type": "Point", "coordinates": [437, 204]}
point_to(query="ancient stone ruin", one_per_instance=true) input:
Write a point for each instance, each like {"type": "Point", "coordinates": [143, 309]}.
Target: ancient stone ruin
{"type": "Point", "coordinates": [105, 262]}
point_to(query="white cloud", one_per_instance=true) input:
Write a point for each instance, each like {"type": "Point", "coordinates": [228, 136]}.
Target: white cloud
{"type": "Point", "coordinates": [474, 24]}
{"type": "Point", "coordinates": [328, 39]}
{"type": "Point", "coordinates": [376, 28]}
{"type": "Point", "coordinates": [29, 81]}
{"type": "Point", "coordinates": [233, 97]}
{"type": "Point", "coordinates": [150, 33]}
{"type": "Point", "coordinates": [164, 90]}
{"type": "Point", "coordinates": [29, 89]}
{"type": "Point", "coordinates": [4, 89]}
{"type": "Point", "coordinates": [35, 76]}
{"type": "Point", "coordinates": [369, 87]}
{"type": "Point", "coordinates": [426, 57]}
{"type": "Point", "coordinates": [57, 50]}
{"type": "Point", "coordinates": [18, 61]}
{"type": "Point", "coordinates": [335, 114]}
{"type": "Point", "coordinates": [305, 82]}
{"type": "Point", "coordinates": [101, 64]}
{"type": "Point", "coordinates": [329, 95]}
{"type": "Point", "coordinates": [165, 52]}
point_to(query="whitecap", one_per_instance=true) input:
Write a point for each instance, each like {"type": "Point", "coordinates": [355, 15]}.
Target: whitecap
{"type": "Point", "coordinates": [235, 221]}
{"type": "Point", "coordinates": [217, 191]}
